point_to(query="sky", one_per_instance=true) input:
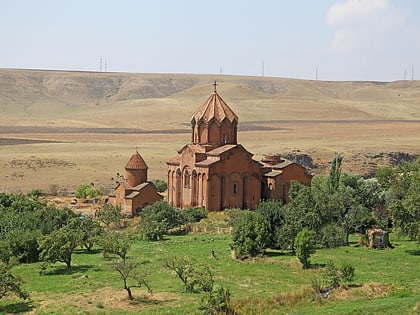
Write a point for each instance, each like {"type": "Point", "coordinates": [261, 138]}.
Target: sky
{"type": "Point", "coordinates": [333, 40]}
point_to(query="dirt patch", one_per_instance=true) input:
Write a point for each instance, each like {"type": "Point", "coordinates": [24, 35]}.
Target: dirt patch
{"type": "Point", "coordinates": [104, 300]}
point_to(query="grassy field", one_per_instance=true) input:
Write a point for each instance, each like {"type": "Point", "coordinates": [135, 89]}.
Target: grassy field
{"type": "Point", "coordinates": [386, 282]}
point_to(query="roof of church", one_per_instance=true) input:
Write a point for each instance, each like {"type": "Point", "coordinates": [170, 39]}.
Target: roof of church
{"type": "Point", "coordinates": [136, 162]}
{"type": "Point", "coordinates": [214, 108]}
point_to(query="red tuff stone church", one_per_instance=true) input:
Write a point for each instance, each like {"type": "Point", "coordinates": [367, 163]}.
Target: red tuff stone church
{"type": "Point", "coordinates": [135, 192]}
{"type": "Point", "coordinates": [215, 172]}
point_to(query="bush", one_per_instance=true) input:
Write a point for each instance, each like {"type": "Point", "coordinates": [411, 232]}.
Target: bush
{"type": "Point", "coordinates": [347, 273]}
{"type": "Point", "coordinates": [87, 191]}
{"type": "Point", "coordinates": [194, 214]}
{"type": "Point", "coordinates": [251, 235]}
{"type": "Point", "coordinates": [331, 275]}
{"type": "Point", "coordinates": [304, 244]}
{"type": "Point", "coordinates": [160, 185]}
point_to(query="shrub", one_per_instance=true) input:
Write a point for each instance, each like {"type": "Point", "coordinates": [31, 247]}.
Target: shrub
{"type": "Point", "coordinates": [304, 244]}
{"type": "Point", "coordinates": [347, 273]}
{"type": "Point", "coordinates": [194, 214]}
{"type": "Point", "coordinates": [331, 275]}
{"type": "Point", "coordinates": [160, 185]}
{"type": "Point", "coordinates": [87, 191]}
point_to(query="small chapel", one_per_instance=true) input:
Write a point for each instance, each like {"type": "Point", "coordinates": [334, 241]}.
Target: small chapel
{"type": "Point", "coordinates": [134, 192]}
{"type": "Point", "coordinates": [214, 171]}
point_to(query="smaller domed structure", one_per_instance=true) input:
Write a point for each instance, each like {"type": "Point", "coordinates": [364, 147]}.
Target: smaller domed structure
{"type": "Point", "coordinates": [135, 192]}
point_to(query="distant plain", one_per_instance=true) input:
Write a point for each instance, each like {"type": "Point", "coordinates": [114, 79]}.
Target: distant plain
{"type": "Point", "coordinates": [66, 128]}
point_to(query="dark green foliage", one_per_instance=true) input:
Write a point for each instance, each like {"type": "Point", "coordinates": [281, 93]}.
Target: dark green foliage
{"type": "Point", "coordinates": [347, 273]}
{"type": "Point", "coordinates": [109, 214]}
{"type": "Point", "coordinates": [91, 232]}
{"type": "Point", "coordinates": [24, 220]}
{"type": "Point", "coordinates": [234, 214]}
{"type": "Point", "coordinates": [193, 214]}
{"type": "Point", "coordinates": [305, 246]}
{"type": "Point", "coordinates": [251, 235]}
{"type": "Point", "coordinates": [404, 198]}
{"type": "Point", "coordinates": [10, 284]}
{"type": "Point", "coordinates": [60, 244]}
{"type": "Point", "coordinates": [216, 301]}
{"type": "Point", "coordinates": [87, 191]}
{"type": "Point", "coordinates": [35, 193]}
{"type": "Point", "coordinates": [331, 275]}
{"type": "Point", "coordinates": [273, 212]}
{"type": "Point", "coordinates": [160, 185]}
{"type": "Point", "coordinates": [335, 173]}
{"type": "Point", "coordinates": [156, 220]}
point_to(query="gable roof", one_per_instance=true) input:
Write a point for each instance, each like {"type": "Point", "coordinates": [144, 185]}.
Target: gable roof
{"type": "Point", "coordinates": [214, 108]}
{"type": "Point", "coordinates": [136, 162]}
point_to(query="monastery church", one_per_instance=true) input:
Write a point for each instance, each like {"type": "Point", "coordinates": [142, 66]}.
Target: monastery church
{"type": "Point", "coordinates": [213, 171]}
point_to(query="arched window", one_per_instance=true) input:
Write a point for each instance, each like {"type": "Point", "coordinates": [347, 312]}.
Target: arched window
{"type": "Point", "coordinates": [187, 180]}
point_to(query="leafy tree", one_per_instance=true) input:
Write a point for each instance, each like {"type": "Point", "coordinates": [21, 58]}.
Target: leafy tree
{"type": "Point", "coordinates": [109, 214]}
{"type": "Point", "coordinates": [128, 271]}
{"type": "Point", "coordinates": [305, 246]}
{"type": "Point", "coordinates": [251, 235]}
{"type": "Point", "coordinates": [405, 199]}
{"type": "Point", "coordinates": [273, 212]}
{"type": "Point", "coordinates": [160, 185]}
{"type": "Point", "coordinates": [87, 191]}
{"type": "Point", "coordinates": [60, 244]}
{"type": "Point", "coordinates": [91, 231]}
{"type": "Point", "coordinates": [10, 284]}
{"type": "Point", "coordinates": [115, 243]}
{"type": "Point", "coordinates": [335, 172]}
{"type": "Point", "coordinates": [157, 219]}
{"type": "Point", "coordinates": [217, 301]}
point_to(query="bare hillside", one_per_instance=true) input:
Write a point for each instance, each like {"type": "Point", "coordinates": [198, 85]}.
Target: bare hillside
{"type": "Point", "coordinates": [92, 99]}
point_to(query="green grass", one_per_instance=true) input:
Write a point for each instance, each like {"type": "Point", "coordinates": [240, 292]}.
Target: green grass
{"type": "Point", "coordinates": [270, 285]}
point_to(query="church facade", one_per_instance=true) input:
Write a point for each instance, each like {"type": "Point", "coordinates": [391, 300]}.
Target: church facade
{"type": "Point", "coordinates": [215, 172]}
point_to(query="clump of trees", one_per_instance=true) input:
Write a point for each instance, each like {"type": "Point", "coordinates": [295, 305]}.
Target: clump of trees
{"type": "Point", "coordinates": [333, 207]}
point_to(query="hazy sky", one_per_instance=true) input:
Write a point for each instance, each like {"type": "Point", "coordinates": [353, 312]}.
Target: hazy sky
{"type": "Point", "coordinates": [344, 39]}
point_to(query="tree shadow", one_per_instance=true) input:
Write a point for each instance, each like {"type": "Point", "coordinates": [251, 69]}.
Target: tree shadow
{"type": "Point", "coordinates": [317, 266]}
{"type": "Point", "coordinates": [62, 270]}
{"type": "Point", "coordinates": [17, 308]}
{"type": "Point", "coordinates": [277, 253]}
{"type": "Point", "coordinates": [414, 252]}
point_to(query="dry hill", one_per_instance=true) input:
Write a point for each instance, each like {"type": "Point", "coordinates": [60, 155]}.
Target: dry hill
{"type": "Point", "coordinates": [64, 128]}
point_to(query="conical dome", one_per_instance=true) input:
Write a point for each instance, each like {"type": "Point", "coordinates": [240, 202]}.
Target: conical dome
{"type": "Point", "coordinates": [136, 162]}
{"type": "Point", "coordinates": [214, 123]}
{"type": "Point", "coordinates": [214, 108]}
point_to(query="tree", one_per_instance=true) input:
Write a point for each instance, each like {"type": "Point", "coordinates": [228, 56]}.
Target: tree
{"type": "Point", "coordinates": [251, 235]}
{"type": "Point", "coordinates": [10, 284]}
{"type": "Point", "coordinates": [305, 246]}
{"type": "Point", "coordinates": [157, 219]}
{"type": "Point", "coordinates": [405, 200]}
{"type": "Point", "coordinates": [115, 243]}
{"type": "Point", "coordinates": [273, 212]}
{"type": "Point", "coordinates": [60, 244]}
{"type": "Point", "coordinates": [91, 231]}
{"type": "Point", "coordinates": [87, 191]}
{"type": "Point", "coordinates": [183, 269]}
{"type": "Point", "coordinates": [128, 271]}
{"type": "Point", "coordinates": [109, 214]}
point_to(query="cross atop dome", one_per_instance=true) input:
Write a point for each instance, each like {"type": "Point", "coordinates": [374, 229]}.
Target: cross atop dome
{"type": "Point", "coordinates": [215, 86]}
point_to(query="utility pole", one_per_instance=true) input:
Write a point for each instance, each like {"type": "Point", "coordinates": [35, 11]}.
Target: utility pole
{"type": "Point", "coordinates": [316, 73]}
{"type": "Point", "coordinates": [100, 65]}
